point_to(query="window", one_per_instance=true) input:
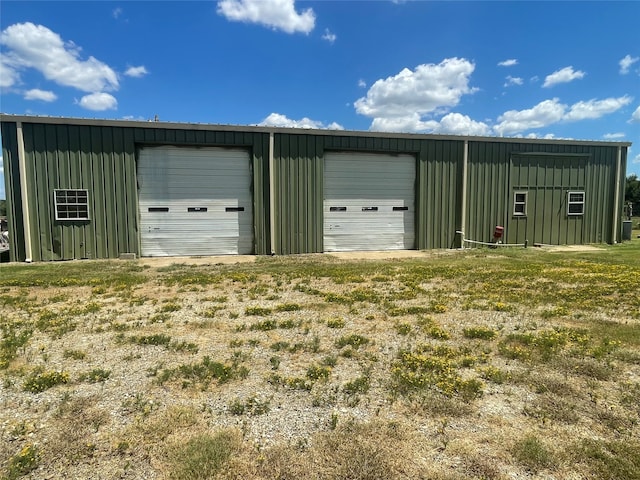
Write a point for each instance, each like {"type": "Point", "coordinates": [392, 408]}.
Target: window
{"type": "Point", "coordinates": [520, 204]}
{"type": "Point", "coordinates": [575, 203]}
{"type": "Point", "coordinates": [71, 204]}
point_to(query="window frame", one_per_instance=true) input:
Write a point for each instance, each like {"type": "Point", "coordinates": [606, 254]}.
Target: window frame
{"type": "Point", "coordinates": [71, 204]}
{"type": "Point", "coordinates": [516, 203]}
{"type": "Point", "coordinates": [571, 203]}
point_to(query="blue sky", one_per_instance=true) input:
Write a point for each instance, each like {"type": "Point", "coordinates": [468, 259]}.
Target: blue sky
{"type": "Point", "coordinates": [529, 69]}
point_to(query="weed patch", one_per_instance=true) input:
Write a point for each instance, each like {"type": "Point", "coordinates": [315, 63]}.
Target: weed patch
{"type": "Point", "coordinates": [39, 380]}
{"type": "Point", "coordinates": [204, 372]}
{"type": "Point", "coordinates": [203, 456]}
{"type": "Point", "coordinates": [23, 462]}
{"type": "Point", "coordinates": [532, 453]}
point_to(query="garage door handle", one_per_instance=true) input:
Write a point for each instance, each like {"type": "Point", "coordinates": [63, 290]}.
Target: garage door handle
{"type": "Point", "coordinates": [234, 209]}
{"type": "Point", "coordinates": [197, 209]}
{"type": "Point", "coordinates": [369, 209]}
{"type": "Point", "coordinates": [400, 209]}
{"type": "Point", "coordinates": [337, 209]}
{"type": "Point", "coordinates": [158, 209]}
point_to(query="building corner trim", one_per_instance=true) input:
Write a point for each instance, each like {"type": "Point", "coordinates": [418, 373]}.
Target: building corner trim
{"type": "Point", "coordinates": [272, 206]}
{"type": "Point", "coordinates": [463, 201]}
{"type": "Point", "coordinates": [22, 163]}
{"type": "Point", "coordinates": [616, 198]}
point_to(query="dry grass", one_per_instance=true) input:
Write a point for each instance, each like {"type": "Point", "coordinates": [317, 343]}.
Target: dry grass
{"type": "Point", "coordinates": [478, 364]}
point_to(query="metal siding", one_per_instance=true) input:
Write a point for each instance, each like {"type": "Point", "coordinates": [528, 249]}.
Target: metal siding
{"type": "Point", "coordinates": [444, 186]}
{"type": "Point", "coordinates": [180, 178]}
{"type": "Point", "coordinates": [359, 181]}
{"type": "Point", "coordinates": [298, 195]}
{"type": "Point", "coordinates": [80, 157]}
{"type": "Point", "coordinates": [547, 177]}
{"type": "Point", "coordinates": [13, 192]}
{"type": "Point", "coordinates": [74, 154]}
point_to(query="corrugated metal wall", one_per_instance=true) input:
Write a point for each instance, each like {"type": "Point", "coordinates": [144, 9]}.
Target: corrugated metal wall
{"type": "Point", "coordinates": [101, 157]}
{"type": "Point", "coordinates": [298, 185]}
{"type": "Point", "coordinates": [299, 169]}
{"type": "Point", "coordinates": [439, 200]}
{"type": "Point", "coordinates": [493, 177]}
{"type": "Point", "coordinates": [13, 191]}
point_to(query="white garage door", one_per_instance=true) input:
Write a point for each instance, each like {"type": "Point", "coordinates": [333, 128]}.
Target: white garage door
{"type": "Point", "coordinates": [369, 202]}
{"type": "Point", "coordinates": [195, 201]}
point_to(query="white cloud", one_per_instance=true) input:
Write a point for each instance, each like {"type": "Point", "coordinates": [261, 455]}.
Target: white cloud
{"type": "Point", "coordinates": [543, 114]}
{"type": "Point", "coordinates": [451, 124]}
{"type": "Point", "coordinates": [427, 89]}
{"type": "Point", "coordinates": [279, 120]}
{"type": "Point", "coordinates": [596, 108]}
{"type": "Point", "coordinates": [329, 37]}
{"type": "Point", "coordinates": [508, 63]}
{"type": "Point", "coordinates": [410, 122]}
{"type": "Point", "coordinates": [613, 136]}
{"type": "Point", "coordinates": [37, 94]}
{"type": "Point", "coordinates": [99, 101]}
{"type": "Point", "coordinates": [458, 124]}
{"type": "Point", "coordinates": [626, 62]}
{"type": "Point", "coordinates": [35, 46]}
{"type": "Point", "coordinates": [564, 75]}
{"type": "Point", "coordinates": [276, 14]}
{"type": "Point", "coordinates": [9, 76]}
{"type": "Point", "coordinates": [362, 83]}
{"type": "Point", "coordinates": [635, 116]}
{"type": "Point", "coordinates": [117, 12]}
{"type": "Point", "coordinates": [513, 81]}
{"type": "Point", "coordinates": [136, 72]}
{"type": "Point", "coordinates": [546, 136]}
{"type": "Point", "coordinates": [552, 111]}
{"type": "Point", "coordinates": [636, 159]}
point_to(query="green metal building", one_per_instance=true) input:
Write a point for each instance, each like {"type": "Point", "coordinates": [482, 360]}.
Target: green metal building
{"type": "Point", "coordinates": [79, 188]}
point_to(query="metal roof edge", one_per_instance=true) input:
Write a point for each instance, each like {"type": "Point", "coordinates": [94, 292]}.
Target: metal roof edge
{"type": "Point", "coordinates": [9, 118]}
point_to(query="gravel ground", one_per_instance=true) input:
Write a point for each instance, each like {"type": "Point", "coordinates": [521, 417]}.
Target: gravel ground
{"type": "Point", "coordinates": [123, 426]}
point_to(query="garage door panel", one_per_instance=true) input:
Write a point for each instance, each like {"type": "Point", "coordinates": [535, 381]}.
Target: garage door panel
{"type": "Point", "coordinates": [369, 202]}
{"type": "Point", "coordinates": [195, 201]}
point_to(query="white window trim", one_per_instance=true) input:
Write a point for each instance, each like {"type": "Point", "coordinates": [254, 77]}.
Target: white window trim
{"type": "Point", "coordinates": [71, 204]}
{"type": "Point", "coordinates": [570, 203]}
{"type": "Point", "coordinates": [526, 200]}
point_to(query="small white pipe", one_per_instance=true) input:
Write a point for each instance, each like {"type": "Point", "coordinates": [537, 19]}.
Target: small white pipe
{"type": "Point", "coordinates": [22, 166]}
{"type": "Point", "coordinates": [614, 233]}
{"type": "Point", "coordinates": [272, 206]}
{"type": "Point", "coordinates": [475, 242]}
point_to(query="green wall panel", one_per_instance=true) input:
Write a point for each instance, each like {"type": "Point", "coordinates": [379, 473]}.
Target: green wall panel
{"type": "Point", "coordinates": [13, 192]}
{"type": "Point", "coordinates": [546, 172]}
{"type": "Point", "coordinates": [100, 156]}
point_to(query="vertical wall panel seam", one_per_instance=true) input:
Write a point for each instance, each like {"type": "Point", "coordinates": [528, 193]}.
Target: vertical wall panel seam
{"type": "Point", "coordinates": [25, 197]}
{"type": "Point", "coordinates": [272, 206]}
{"type": "Point", "coordinates": [616, 198]}
{"type": "Point", "coordinates": [463, 213]}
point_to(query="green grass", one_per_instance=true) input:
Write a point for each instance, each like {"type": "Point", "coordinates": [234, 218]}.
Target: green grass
{"type": "Point", "coordinates": [91, 273]}
{"type": "Point", "coordinates": [615, 459]}
{"type": "Point", "coordinates": [531, 452]}
{"type": "Point", "coordinates": [204, 372]}
{"type": "Point", "coordinates": [551, 336]}
{"type": "Point", "coordinates": [203, 456]}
